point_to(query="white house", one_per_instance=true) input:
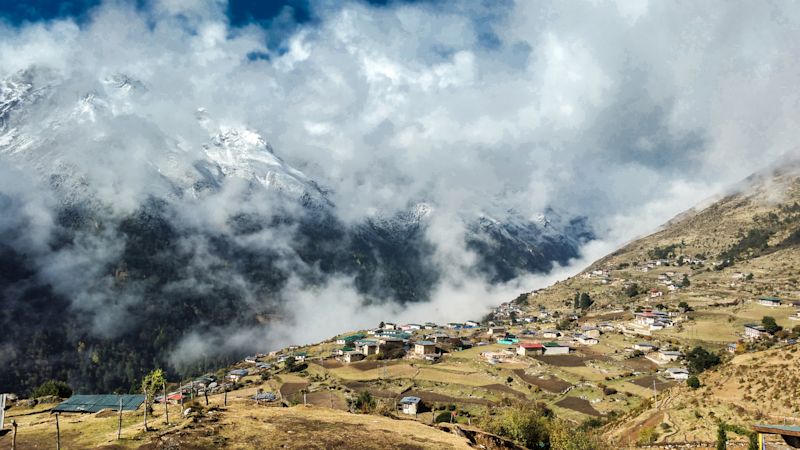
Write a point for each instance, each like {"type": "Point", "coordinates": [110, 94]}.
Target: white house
{"type": "Point", "coordinates": [551, 334]}
{"type": "Point", "coordinates": [496, 330]}
{"type": "Point", "coordinates": [769, 301]}
{"type": "Point", "coordinates": [669, 355]}
{"type": "Point", "coordinates": [352, 356]}
{"type": "Point", "coordinates": [410, 405]}
{"type": "Point", "coordinates": [530, 348]}
{"type": "Point", "coordinates": [678, 373]}
{"type": "Point", "coordinates": [591, 332]}
{"type": "Point", "coordinates": [586, 340]}
{"type": "Point", "coordinates": [554, 348]}
{"type": "Point", "coordinates": [755, 332]}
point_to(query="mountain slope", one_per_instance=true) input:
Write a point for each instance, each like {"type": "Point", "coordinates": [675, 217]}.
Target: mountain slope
{"type": "Point", "coordinates": [113, 221]}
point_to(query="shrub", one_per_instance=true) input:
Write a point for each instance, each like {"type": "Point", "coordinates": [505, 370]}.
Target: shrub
{"type": "Point", "coordinates": [647, 435]}
{"type": "Point", "coordinates": [699, 359]}
{"type": "Point", "coordinates": [523, 424]}
{"type": "Point", "coordinates": [693, 382]}
{"type": "Point", "coordinates": [364, 402]}
{"type": "Point", "coordinates": [564, 436]}
{"type": "Point", "coordinates": [52, 387]}
{"type": "Point", "coordinates": [443, 416]}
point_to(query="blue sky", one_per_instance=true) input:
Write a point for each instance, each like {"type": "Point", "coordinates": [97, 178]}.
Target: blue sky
{"type": "Point", "coordinates": [239, 11]}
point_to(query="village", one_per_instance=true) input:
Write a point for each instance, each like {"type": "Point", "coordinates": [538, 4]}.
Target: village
{"type": "Point", "coordinates": [588, 359]}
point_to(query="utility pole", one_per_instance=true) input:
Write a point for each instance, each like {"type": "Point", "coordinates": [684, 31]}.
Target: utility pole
{"type": "Point", "coordinates": [58, 434]}
{"type": "Point", "coordinates": [166, 404]}
{"type": "Point", "coordinates": [14, 434]}
{"type": "Point", "coordinates": [205, 393]}
{"type": "Point", "coordinates": [225, 396]}
{"type": "Point", "coordinates": [119, 420]}
{"type": "Point", "coordinates": [2, 411]}
{"type": "Point", "coordinates": [145, 410]}
{"type": "Point", "coordinates": [180, 388]}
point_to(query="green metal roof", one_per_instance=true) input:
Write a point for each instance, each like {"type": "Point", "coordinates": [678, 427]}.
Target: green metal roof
{"type": "Point", "coordinates": [94, 403]}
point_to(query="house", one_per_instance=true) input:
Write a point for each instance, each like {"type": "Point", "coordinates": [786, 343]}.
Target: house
{"type": "Point", "coordinates": [677, 373]}
{"type": "Point", "coordinates": [389, 326]}
{"type": "Point", "coordinates": [455, 325]}
{"type": "Point", "coordinates": [586, 340]}
{"type": "Point", "coordinates": [411, 326]}
{"type": "Point", "coordinates": [389, 342]}
{"type": "Point", "coordinates": [508, 339]}
{"type": "Point", "coordinates": [300, 356]}
{"type": "Point", "coordinates": [496, 330]}
{"type": "Point", "coordinates": [606, 326]}
{"type": "Point", "coordinates": [250, 360]}
{"type": "Point", "coordinates": [795, 316]}
{"type": "Point", "coordinates": [554, 348]}
{"type": "Point", "coordinates": [592, 332]}
{"type": "Point", "coordinates": [236, 375]}
{"type": "Point", "coordinates": [472, 324]}
{"type": "Point", "coordinates": [530, 348]}
{"type": "Point", "coordinates": [551, 334]}
{"type": "Point", "coordinates": [731, 347]}
{"type": "Point", "coordinates": [410, 405]}
{"type": "Point", "coordinates": [430, 325]}
{"type": "Point", "coordinates": [655, 293]}
{"type": "Point", "coordinates": [352, 356]}
{"type": "Point", "coordinates": [769, 301]}
{"type": "Point", "coordinates": [348, 340]}
{"type": "Point", "coordinates": [669, 355]}
{"type": "Point", "coordinates": [755, 332]}
{"type": "Point", "coordinates": [644, 346]}
{"type": "Point", "coordinates": [367, 347]}
{"type": "Point", "coordinates": [424, 348]}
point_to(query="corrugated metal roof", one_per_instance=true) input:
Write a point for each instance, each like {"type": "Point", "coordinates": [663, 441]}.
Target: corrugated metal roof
{"type": "Point", "coordinates": [94, 403]}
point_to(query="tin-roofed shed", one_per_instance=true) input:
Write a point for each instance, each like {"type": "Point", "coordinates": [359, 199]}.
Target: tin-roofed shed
{"type": "Point", "coordinates": [94, 403]}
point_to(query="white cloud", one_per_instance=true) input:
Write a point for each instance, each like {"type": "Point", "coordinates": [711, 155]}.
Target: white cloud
{"type": "Point", "coordinates": [626, 112]}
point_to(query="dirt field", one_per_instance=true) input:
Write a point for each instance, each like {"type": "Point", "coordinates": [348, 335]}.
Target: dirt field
{"type": "Point", "coordinates": [369, 365]}
{"type": "Point", "coordinates": [551, 383]}
{"type": "Point", "coordinates": [503, 389]}
{"type": "Point", "coordinates": [647, 382]}
{"type": "Point", "coordinates": [359, 386]}
{"type": "Point", "coordinates": [641, 364]}
{"type": "Point", "coordinates": [327, 399]}
{"type": "Point", "coordinates": [432, 397]}
{"type": "Point", "coordinates": [328, 363]}
{"type": "Point", "coordinates": [289, 389]}
{"type": "Point", "coordinates": [580, 405]}
{"type": "Point", "coordinates": [563, 360]}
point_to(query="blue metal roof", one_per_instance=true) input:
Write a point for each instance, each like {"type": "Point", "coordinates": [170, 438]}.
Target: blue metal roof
{"type": "Point", "coordinates": [94, 403]}
{"type": "Point", "coordinates": [410, 400]}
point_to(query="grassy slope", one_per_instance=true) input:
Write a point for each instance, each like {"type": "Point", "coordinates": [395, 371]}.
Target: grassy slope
{"type": "Point", "coordinates": [469, 382]}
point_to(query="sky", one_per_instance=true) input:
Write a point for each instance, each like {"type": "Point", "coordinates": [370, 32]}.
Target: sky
{"type": "Point", "coordinates": [626, 112]}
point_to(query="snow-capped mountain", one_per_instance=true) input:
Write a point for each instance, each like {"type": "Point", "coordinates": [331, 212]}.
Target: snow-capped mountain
{"type": "Point", "coordinates": [136, 219]}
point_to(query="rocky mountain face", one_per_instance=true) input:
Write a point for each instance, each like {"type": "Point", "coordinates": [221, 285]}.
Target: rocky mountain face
{"type": "Point", "coordinates": [118, 239]}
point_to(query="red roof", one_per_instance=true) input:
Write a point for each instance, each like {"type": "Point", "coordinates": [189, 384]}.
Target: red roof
{"type": "Point", "coordinates": [531, 345]}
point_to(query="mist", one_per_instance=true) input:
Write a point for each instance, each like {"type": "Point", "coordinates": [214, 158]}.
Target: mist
{"type": "Point", "coordinates": [625, 113]}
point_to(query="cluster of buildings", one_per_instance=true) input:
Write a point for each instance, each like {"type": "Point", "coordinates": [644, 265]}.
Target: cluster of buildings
{"type": "Point", "coordinates": [647, 321]}
{"type": "Point", "coordinates": [412, 339]}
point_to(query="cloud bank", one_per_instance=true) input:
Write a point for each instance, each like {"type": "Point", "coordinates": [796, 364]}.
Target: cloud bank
{"type": "Point", "coordinates": [624, 112]}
